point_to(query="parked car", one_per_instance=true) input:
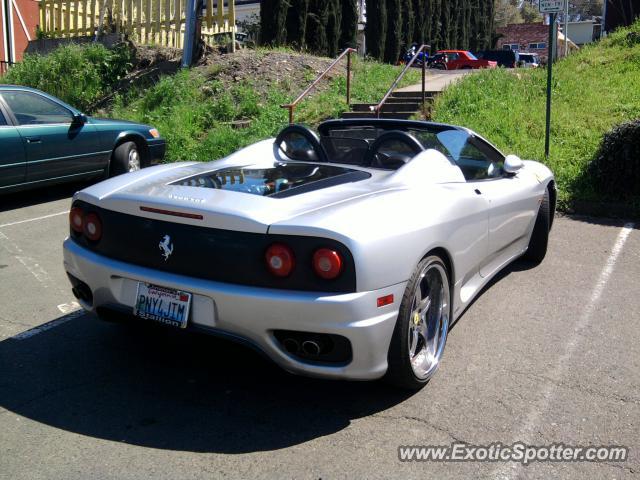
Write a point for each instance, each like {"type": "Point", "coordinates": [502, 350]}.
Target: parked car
{"type": "Point", "coordinates": [504, 58]}
{"type": "Point", "coordinates": [46, 141]}
{"type": "Point", "coordinates": [461, 60]}
{"type": "Point", "coordinates": [529, 60]}
{"type": "Point", "coordinates": [346, 254]}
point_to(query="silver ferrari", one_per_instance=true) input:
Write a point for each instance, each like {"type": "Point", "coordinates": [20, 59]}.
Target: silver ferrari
{"type": "Point", "coordinates": [342, 253]}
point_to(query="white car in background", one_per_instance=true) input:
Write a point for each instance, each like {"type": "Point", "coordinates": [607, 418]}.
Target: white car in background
{"type": "Point", "coordinates": [529, 60]}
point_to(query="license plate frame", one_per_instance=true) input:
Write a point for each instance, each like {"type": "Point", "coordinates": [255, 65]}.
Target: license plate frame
{"type": "Point", "coordinates": [165, 305]}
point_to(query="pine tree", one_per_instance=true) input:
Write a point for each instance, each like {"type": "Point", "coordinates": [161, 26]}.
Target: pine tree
{"type": "Point", "coordinates": [445, 24]}
{"type": "Point", "coordinates": [376, 28]}
{"type": "Point", "coordinates": [434, 12]}
{"type": "Point", "coordinates": [267, 28]}
{"type": "Point", "coordinates": [281, 8]}
{"type": "Point", "coordinates": [297, 22]}
{"type": "Point", "coordinates": [489, 12]}
{"type": "Point", "coordinates": [334, 18]}
{"type": "Point", "coordinates": [408, 23]}
{"type": "Point", "coordinates": [349, 25]}
{"type": "Point", "coordinates": [393, 45]}
{"type": "Point", "coordinates": [420, 17]}
{"type": "Point", "coordinates": [316, 32]}
{"type": "Point", "coordinates": [476, 26]}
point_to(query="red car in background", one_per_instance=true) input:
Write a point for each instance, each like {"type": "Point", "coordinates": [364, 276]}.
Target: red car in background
{"type": "Point", "coordinates": [461, 59]}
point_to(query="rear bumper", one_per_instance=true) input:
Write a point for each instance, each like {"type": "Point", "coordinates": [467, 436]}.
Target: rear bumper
{"type": "Point", "coordinates": [251, 314]}
{"type": "Point", "coordinates": [157, 149]}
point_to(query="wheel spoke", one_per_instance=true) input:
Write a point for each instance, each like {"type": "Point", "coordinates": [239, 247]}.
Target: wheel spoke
{"type": "Point", "coordinates": [425, 304]}
{"type": "Point", "coordinates": [417, 299]}
{"type": "Point", "coordinates": [414, 342]}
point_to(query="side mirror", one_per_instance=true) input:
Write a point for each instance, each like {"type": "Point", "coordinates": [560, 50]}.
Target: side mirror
{"type": "Point", "coordinates": [79, 119]}
{"type": "Point", "coordinates": [512, 163]}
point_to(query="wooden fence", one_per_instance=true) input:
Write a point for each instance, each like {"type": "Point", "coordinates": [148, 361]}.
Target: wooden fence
{"type": "Point", "coordinates": [150, 22]}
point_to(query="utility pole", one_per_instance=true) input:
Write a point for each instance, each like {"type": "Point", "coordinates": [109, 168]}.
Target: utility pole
{"type": "Point", "coordinates": [9, 40]}
{"type": "Point", "coordinates": [190, 9]}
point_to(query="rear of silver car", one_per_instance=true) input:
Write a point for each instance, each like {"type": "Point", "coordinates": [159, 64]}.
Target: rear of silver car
{"type": "Point", "coordinates": [304, 323]}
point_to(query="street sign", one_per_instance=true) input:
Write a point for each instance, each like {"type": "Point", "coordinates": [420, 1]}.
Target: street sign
{"type": "Point", "coordinates": [551, 6]}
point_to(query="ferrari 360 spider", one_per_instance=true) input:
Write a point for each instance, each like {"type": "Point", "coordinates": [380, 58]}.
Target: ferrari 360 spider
{"type": "Point", "coordinates": [345, 253]}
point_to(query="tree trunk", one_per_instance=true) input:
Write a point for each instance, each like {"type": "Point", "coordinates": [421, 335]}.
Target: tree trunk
{"type": "Point", "coordinates": [394, 33]}
{"type": "Point", "coordinates": [376, 28]}
{"type": "Point", "coordinates": [349, 24]}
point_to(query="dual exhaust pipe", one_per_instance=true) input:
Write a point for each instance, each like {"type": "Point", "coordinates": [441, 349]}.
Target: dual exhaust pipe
{"type": "Point", "coordinates": [308, 348]}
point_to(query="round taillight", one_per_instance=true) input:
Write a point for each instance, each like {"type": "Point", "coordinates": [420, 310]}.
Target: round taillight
{"type": "Point", "coordinates": [92, 227]}
{"type": "Point", "coordinates": [280, 260]}
{"type": "Point", "coordinates": [327, 263]}
{"type": "Point", "coordinates": [76, 219]}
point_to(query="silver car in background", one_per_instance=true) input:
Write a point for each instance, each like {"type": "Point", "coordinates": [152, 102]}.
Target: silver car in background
{"type": "Point", "coordinates": [345, 253]}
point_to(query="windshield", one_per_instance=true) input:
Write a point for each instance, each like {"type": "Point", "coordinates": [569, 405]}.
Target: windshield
{"type": "Point", "coordinates": [472, 56]}
{"type": "Point", "coordinates": [350, 145]}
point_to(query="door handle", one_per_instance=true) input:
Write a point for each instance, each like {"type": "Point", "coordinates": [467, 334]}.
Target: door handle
{"type": "Point", "coordinates": [478, 192]}
{"type": "Point", "coordinates": [34, 140]}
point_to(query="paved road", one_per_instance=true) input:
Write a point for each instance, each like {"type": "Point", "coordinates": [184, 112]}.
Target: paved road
{"type": "Point", "coordinates": [545, 355]}
{"type": "Point", "coordinates": [438, 80]}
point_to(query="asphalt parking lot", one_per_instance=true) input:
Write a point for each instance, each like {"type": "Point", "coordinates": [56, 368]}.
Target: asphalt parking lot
{"type": "Point", "coordinates": [545, 355]}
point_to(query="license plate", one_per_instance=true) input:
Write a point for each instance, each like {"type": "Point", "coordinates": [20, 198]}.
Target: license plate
{"type": "Point", "coordinates": [161, 304]}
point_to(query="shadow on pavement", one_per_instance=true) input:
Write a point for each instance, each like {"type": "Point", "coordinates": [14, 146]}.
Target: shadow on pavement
{"type": "Point", "coordinates": [28, 198]}
{"type": "Point", "coordinates": [169, 389]}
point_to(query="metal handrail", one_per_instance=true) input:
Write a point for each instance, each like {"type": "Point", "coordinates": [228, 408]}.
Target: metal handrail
{"type": "Point", "coordinates": [423, 47]}
{"type": "Point", "coordinates": [291, 106]}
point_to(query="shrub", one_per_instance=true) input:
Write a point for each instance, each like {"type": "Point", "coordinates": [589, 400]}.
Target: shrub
{"type": "Point", "coordinates": [615, 169]}
{"type": "Point", "coordinates": [78, 75]}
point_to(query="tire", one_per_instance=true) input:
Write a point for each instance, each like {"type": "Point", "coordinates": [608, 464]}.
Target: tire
{"type": "Point", "coordinates": [537, 249]}
{"type": "Point", "coordinates": [126, 157]}
{"type": "Point", "coordinates": [421, 329]}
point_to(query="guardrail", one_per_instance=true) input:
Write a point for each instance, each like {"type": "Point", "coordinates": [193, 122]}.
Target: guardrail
{"type": "Point", "coordinates": [292, 106]}
{"type": "Point", "coordinates": [423, 49]}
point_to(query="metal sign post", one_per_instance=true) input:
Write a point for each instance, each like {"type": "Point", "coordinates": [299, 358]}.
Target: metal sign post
{"type": "Point", "coordinates": [189, 33]}
{"type": "Point", "coordinates": [552, 7]}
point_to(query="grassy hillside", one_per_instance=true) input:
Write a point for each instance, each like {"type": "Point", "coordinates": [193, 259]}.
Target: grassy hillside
{"type": "Point", "coordinates": [194, 109]}
{"type": "Point", "coordinates": [593, 90]}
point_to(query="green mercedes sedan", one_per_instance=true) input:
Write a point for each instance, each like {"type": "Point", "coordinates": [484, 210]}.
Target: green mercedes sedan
{"type": "Point", "coordinates": [45, 141]}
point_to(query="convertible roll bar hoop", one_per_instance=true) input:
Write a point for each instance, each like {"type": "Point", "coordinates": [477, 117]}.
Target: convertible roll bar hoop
{"type": "Point", "coordinates": [292, 106]}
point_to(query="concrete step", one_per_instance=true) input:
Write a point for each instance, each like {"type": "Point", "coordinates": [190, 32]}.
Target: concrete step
{"type": "Point", "coordinates": [399, 94]}
{"type": "Point", "coordinates": [417, 99]}
{"type": "Point", "coordinates": [396, 115]}
{"type": "Point", "coordinates": [388, 107]}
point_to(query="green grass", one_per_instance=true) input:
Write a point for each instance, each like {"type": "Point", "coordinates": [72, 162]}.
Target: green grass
{"type": "Point", "coordinates": [593, 90]}
{"type": "Point", "coordinates": [79, 75]}
{"type": "Point", "coordinates": [193, 110]}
